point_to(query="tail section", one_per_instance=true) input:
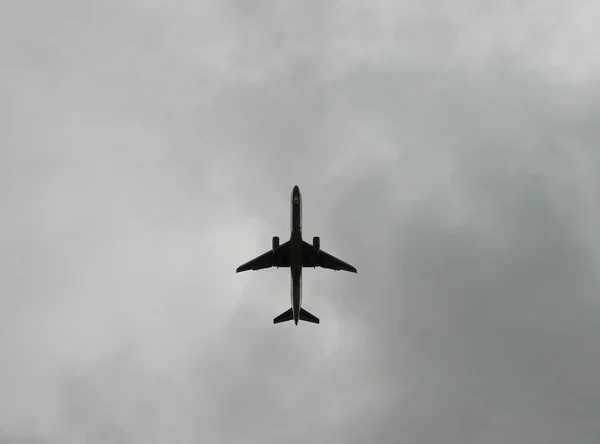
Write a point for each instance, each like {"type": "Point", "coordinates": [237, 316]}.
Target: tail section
{"type": "Point", "coordinates": [289, 315]}
{"type": "Point", "coordinates": [284, 317]}
{"type": "Point", "coordinates": [307, 317]}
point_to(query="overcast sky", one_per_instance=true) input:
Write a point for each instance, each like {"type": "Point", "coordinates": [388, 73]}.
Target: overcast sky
{"type": "Point", "coordinates": [448, 150]}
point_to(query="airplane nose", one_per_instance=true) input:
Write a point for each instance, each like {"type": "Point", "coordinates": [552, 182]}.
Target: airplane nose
{"type": "Point", "coordinates": [296, 194]}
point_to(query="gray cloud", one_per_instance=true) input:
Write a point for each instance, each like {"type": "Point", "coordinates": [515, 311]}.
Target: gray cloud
{"type": "Point", "coordinates": [148, 149]}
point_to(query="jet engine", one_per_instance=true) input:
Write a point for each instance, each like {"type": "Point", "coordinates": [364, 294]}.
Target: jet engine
{"type": "Point", "coordinates": [275, 243]}
{"type": "Point", "coordinates": [317, 244]}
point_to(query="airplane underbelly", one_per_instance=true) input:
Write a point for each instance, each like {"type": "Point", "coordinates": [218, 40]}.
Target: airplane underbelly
{"type": "Point", "coordinates": [296, 259]}
{"type": "Point", "coordinates": [296, 294]}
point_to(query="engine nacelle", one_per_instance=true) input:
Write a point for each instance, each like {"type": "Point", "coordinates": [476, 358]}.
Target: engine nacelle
{"type": "Point", "coordinates": [275, 243]}
{"type": "Point", "coordinates": [317, 244]}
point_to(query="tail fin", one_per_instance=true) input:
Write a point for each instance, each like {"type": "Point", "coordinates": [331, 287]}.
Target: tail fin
{"type": "Point", "coordinates": [289, 315]}
{"type": "Point", "coordinates": [283, 317]}
{"type": "Point", "coordinates": [307, 317]}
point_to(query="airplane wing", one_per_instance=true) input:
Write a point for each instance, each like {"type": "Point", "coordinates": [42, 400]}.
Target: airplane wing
{"type": "Point", "coordinates": [269, 259]}
{"type": "Point", "coordinates": [310, 258]}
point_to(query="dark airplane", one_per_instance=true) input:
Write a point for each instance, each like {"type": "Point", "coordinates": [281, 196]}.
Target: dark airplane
{"type": "Point", "coordinates": [295, 254]}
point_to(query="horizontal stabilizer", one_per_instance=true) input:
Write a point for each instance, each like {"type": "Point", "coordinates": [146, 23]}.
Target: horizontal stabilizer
{"type": "Point", "coordinates": [307, 317]}
{"type": "Point", "coordinates": [284, 317]}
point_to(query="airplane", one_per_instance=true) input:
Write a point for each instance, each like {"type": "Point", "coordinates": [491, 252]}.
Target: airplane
{"type": "Point", "coordinates": [296, 254]}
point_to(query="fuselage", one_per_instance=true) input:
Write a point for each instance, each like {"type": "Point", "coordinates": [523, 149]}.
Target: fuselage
{"type": "Point", "coordinates": [296, 252]}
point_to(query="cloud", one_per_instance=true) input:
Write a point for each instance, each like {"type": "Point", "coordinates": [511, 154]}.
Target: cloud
{"type": "Point", "coordinates": [149, 149]}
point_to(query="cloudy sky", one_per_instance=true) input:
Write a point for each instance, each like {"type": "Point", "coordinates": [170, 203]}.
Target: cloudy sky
{"type": "Point", "coordinates": [448, 150]}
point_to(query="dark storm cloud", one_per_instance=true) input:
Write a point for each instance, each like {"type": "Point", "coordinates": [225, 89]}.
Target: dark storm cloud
{"type": "Point", "coordinates": [463, 193]}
